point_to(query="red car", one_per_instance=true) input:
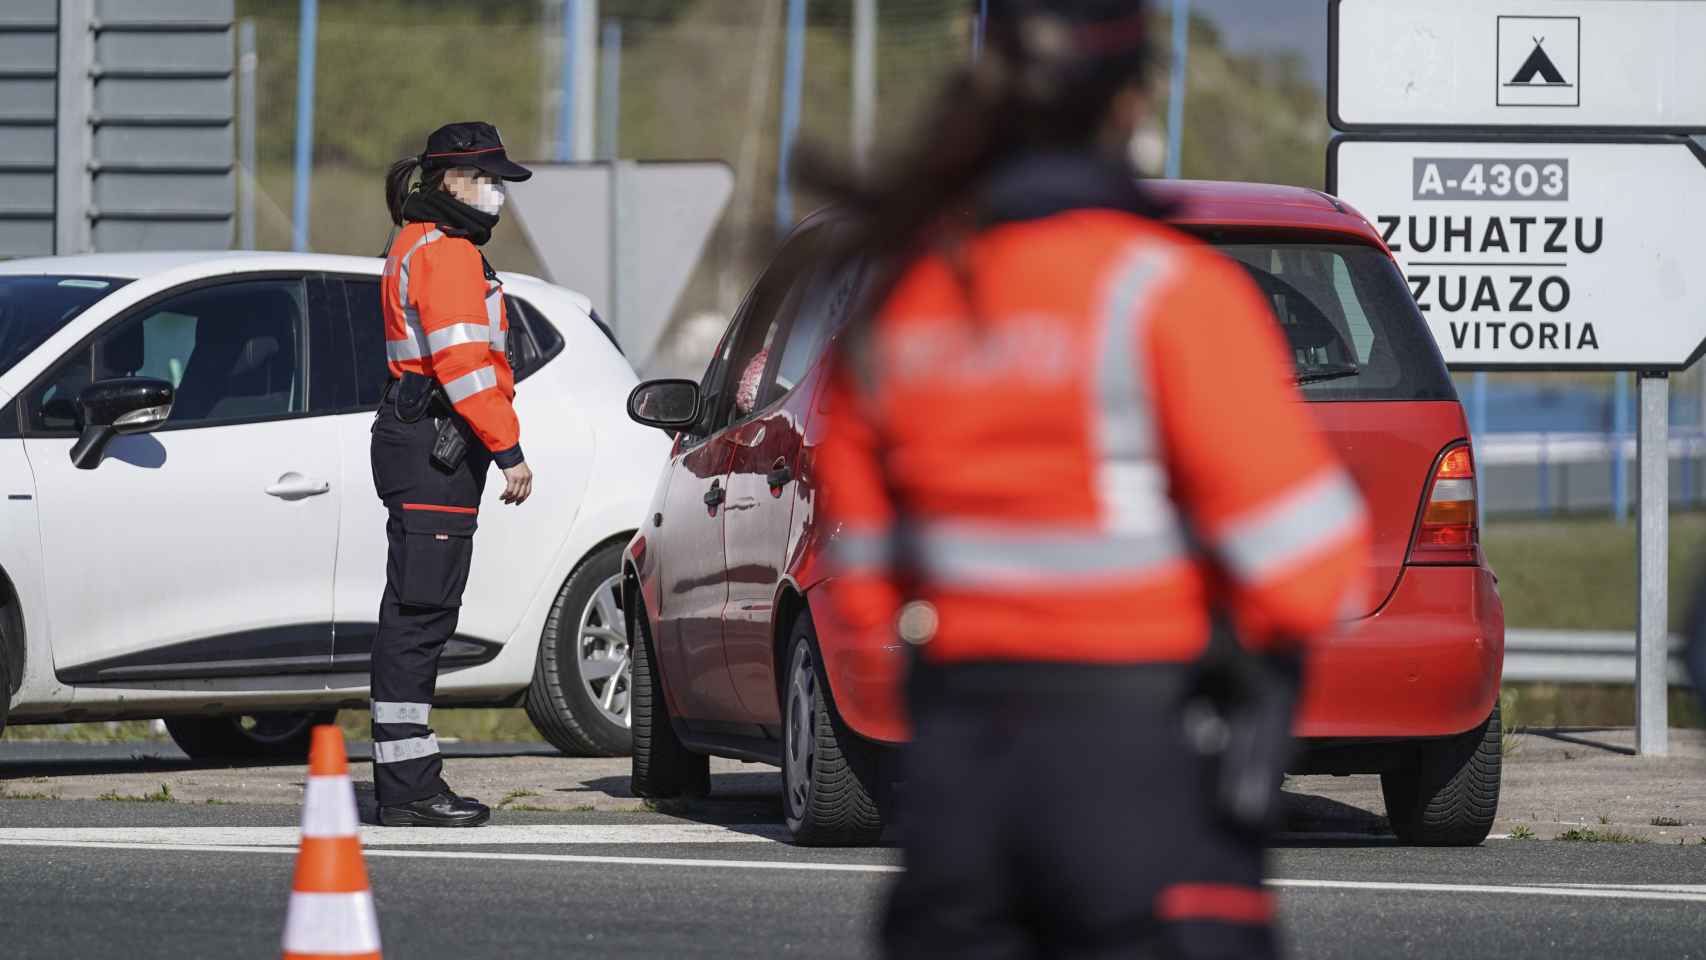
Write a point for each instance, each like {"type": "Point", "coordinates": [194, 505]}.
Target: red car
{"type": "Point", "coordinates": [736, 654]}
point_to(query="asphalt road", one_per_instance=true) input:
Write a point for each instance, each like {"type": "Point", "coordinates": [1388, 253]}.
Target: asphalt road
{"type": "Point", "coordinates": [592, 873]}
{"type": "Point", "coordinates": [95, 880]}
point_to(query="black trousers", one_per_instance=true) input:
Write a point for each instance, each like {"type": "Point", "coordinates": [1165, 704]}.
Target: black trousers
{"type": "Point", "coordinates": [433, 513]}
{"type": "Point", "coordinates": [1067, 822]}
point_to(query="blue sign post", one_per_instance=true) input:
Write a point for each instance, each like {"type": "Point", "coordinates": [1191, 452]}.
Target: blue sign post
{"type": "Point", "coordinates": [793, 76]}
{"type": "Point", "coordinates": [1176, 90]}
{"type": "Point", "coordinates": [307, 43]}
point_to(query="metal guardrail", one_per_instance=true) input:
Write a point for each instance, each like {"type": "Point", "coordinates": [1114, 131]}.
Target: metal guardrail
{"type": "Point", "coordinates": [1521, 449]}
{"type": "Point", "coordinates": [1580, 656]}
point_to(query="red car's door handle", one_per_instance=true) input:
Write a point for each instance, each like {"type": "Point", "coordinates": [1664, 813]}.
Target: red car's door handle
{"type": "Point", "coordinates": [780, 475]}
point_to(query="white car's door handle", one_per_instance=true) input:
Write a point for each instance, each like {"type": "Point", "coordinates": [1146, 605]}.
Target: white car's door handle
{"type": "Point", "coordinates": [295, 486]}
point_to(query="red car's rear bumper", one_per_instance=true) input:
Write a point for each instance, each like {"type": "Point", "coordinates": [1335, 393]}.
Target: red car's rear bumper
{"type": "Point", "coordinates": [1426, 664]}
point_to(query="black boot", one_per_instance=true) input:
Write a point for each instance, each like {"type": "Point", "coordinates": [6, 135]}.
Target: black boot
{"type": "Point", "coordinates": [444, 810]}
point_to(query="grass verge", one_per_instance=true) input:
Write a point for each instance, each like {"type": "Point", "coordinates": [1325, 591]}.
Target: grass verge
{"type": "Point", "coordinates": [1578, 573]}
{"type": "Point", "coordinates": [6, 792]}
{"type": "Point", "coordinates": [162, 795]}
{"type": "Point", "coordinates": [506, 726]}
{"type": "Point", "coordinates": [1542, 705]}
{"type": "Point", "coordinates": [514, 795]}
{"type": "Point", "coordinates": [1586, 835]}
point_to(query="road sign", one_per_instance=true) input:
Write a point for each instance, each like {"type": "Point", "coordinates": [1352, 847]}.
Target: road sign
{"type": "Point", "coordinates": [1627, 65]}
{"type": "Point", "coordinates": [628, 235]}
{"type": "Point", "coordinates": [1567, 254]}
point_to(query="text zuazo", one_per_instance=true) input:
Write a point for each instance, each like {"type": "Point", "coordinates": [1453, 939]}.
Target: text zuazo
{"type": "Point", "coordinates": [1512, 294]}
{"type": "Point", "coordinates": [1506, 235]}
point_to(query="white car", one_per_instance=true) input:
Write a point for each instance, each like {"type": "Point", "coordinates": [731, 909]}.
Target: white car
{"type": "Point", "coordinates": [222, 567]}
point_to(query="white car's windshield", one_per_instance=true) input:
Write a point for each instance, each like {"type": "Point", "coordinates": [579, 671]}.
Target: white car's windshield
{"type": "Point", "coordinates": [33, 308]}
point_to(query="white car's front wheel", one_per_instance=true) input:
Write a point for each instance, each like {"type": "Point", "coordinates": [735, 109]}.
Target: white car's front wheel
{"type": "Point", "coordinates": [581, 697]}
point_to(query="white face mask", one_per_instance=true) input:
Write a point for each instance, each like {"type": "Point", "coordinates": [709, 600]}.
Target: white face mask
{"type": "Point", "coordinates": [488, 198]}
{"type": "Point", "coordinates": [482, 193]}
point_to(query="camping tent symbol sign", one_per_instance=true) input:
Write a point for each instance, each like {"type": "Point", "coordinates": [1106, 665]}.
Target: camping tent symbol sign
{"type": "Point", "coordinates": [1540, 61]}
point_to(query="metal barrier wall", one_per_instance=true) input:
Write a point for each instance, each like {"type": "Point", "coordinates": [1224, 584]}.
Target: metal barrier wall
{"type": "Point", "coordinates": [116, 125]}
{"type": "Point", "coordinates": [29, 40]}
{"type": "Point", "coordinates": [1545, 473]}
{"type": "Point", "coordinates": [1580, 656]}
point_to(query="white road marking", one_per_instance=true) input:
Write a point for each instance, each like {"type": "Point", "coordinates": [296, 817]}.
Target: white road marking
{"type": "Point", "coordinates": [1668, 887]}
{"type": "Point", "coordinates": [501, 835]}
{"type": "Point", "coordinates": [1686, 894]}
{"type": "Point", "coordinates": [482, 855]}
{"type": "Point", "coordinates": [377, 842]}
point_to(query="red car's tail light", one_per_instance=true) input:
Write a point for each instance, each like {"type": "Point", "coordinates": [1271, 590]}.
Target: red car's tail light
{"type": "Point", "coordinates": [1450, 530]}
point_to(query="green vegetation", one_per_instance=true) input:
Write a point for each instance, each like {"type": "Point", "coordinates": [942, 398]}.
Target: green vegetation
{"type": "Point", "coordinates": [508, 726]}
{"type": "Point", "coordinates": [700, 79]}
{"type": "Point", "coordinates": [1578, 573]}
{"type": "Point", "coordinates": [1250, 116]}
{"type": "Point", "coordinates": [124, 731]}
{"type": "Point", "coordinates": [163, 795]}
{"type": "Point", "coordinates": [1588, 704]}
{"type": "Point", "coordinates": [1585, 835]}
{"type": "Point", "coordinates": [1666, 822]}
{"type": "Point", "coordinates": [515, 795]}
{"type": "Point", "coordinates": [1521, 832]}
{"type": "Point", "coordinates": [6, 792]}
{"type": "Point", "coordinates": [532, 808]}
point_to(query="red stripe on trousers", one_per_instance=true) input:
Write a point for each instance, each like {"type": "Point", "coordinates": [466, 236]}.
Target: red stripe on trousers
{"type": "Point", "coordinates": [1224, 903]}
{"type": "Point", "coordinates": [437, 508]}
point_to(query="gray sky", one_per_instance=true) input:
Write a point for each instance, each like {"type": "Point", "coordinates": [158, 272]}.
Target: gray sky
{"type": "Point", "coordinates": [1292, 25]}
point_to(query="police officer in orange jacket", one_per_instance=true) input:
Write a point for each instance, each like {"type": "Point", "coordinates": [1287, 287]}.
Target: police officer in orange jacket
{"type": "Point", "coordinates": [1065, 446]}
{"type": "Point", "coordinates": [447, 416]}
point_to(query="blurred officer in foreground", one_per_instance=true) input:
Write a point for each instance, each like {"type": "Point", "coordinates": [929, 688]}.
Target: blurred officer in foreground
{"type": "Point", "coordinates": [1694, 655]}
{"type": "Point", "coordinates": [1066, 444]}
{"type": "Point", "coordinates": [446, 417]}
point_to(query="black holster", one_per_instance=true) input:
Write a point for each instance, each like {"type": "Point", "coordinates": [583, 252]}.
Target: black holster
{"type": "Point", "coordinates": [414, 394]}
{"type": "Point", "coordinates": [418, 396]}
{"type": "Point", "coordinates": [450, 446]}
{"type": "Point", "coordinates": [1240, 713]}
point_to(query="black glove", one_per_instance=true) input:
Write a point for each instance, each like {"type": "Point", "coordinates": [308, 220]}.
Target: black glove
{"type": "Point", "coordinates": [1240, 713]}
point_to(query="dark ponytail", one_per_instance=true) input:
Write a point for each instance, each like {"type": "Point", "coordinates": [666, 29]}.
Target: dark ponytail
{"type": "Point", "coordinates": [398, 186]}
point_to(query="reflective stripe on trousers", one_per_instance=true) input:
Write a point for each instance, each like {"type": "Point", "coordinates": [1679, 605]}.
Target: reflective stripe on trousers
{"type": "Point", "coordinates": [401, 712]}
{"type": "Point", "coordinates": [397, 751]}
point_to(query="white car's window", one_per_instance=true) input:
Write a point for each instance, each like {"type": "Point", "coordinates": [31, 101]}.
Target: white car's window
{"type": "Point", "coordinates": [233, 352]}
{"type": "Point", "coordinates": [35, 308]}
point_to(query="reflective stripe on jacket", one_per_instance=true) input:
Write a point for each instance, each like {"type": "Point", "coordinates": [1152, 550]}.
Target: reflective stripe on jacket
{"type": "Point", "coordinates": [1049, 473]}
{"type": "Point", "coordinates": [444, 319]}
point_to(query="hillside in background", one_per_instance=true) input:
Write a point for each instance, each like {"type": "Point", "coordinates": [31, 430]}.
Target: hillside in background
{"type": "Point", "coordinates": [701, 79]}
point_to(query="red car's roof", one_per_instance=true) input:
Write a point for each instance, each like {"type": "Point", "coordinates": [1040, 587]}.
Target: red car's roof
{"type": "Point", "coordinates": [1225, 203]}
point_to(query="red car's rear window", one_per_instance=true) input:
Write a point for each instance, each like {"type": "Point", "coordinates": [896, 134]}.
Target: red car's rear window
{"type": "Point", "coordinates": [1351, 322]}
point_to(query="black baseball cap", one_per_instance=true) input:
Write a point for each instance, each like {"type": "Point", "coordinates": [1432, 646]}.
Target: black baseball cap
{"type": "Point", "coordinates": [1089, 29]}
{"type": "Point", "coordinates": [471, 144]}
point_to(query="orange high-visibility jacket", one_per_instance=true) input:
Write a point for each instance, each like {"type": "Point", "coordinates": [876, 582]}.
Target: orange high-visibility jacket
{"type": "Point", "coordinates": [1049, 474]}
{"type": "Point", "coordinates": [444, 319]}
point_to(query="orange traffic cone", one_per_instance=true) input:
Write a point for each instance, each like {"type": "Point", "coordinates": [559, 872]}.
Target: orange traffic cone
{"type": "Point", "coordinates": [331, 906]}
